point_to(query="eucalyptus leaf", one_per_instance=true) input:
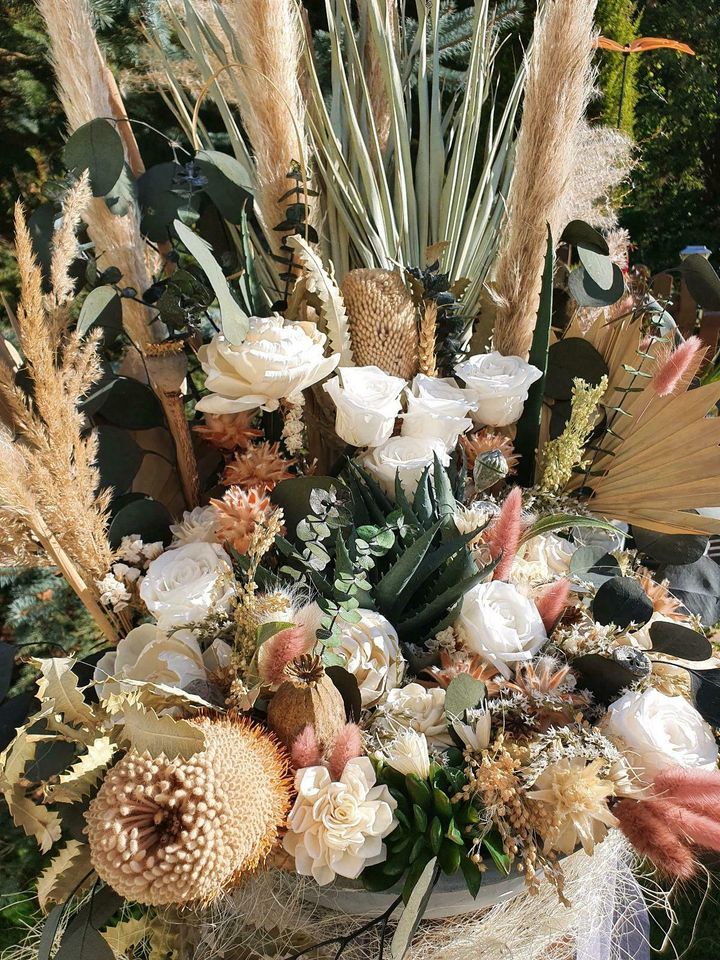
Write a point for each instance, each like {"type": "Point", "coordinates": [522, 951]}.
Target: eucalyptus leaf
{"type": "Point", "coordinates": [123, 194]}
{"type": "Point", "coordinates": [233, 319]}
{"type": "Point", "coordinates": [569, 359]}
{"type": "Point", "coordinates": [347, 684]}
{"type": "Point", "coordinates": [102, 307]}
{"type": "Point", "coordinates": [602, 676]}
{"type": "Point", "coordinates": [622, 601]}
{"type": "Point", "coordinates": [96, 147]}
{"type": "Point", "coordinates": [158, 201]}
{"type": "Point", "coordinates": [702, 281]}
{"type": "Point", "coordinates": [697, 586]}
{"type": "Point", "coordinates": [414, 910]}
{"type": "Point", "coordinates": [706, 694]}
{"type": "Point", "coordinates": [228, 184]}
{"type": "Point", "coordinates": [7, 662]}
{"type": "Point", "coordinates": [144, 516]}
{"type": "Point", "coordinates": [463, 693]}
{"type": "Point", "coordinates": [677, 549]}
{"type": "Point", "coordinates": [586, 291]}
{"type": "Point", "coordinates": [677, 640]}
{"type": "Point", "coordinates": [594, 565]}
{"type": "Point", "coordinates": [598, 267]}
{"type": "Point", "coordinates": [578, 233]}
{"type": "Point", "coordinates": [127, 403]}
{"type": "Point", "coordinates": [118, 458]}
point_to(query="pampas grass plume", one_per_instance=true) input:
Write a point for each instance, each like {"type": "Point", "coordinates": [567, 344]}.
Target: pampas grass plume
{"type": "Point", "coordinates": [551, 602]}
{"type": "Point", "coordinates": [674, 367]}
{"type": "Point", "coordinates": [279, 651]}
{"type": "Point", "coordinates": [305, 751]}
{"type": "Point", "coordinates": [503, 535]}
{"type": "Point", "coordinates": [347, 746]}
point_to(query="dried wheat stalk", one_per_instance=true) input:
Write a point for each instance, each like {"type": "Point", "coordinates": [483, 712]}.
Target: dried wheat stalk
{"type": "Point", "coordinates": [559, 84]}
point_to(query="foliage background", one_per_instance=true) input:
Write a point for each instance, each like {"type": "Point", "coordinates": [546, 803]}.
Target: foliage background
{"type": "Point", "coordinates": [672, 106]}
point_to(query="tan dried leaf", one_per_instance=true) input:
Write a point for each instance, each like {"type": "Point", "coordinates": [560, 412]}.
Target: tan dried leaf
{"type": "Point", "coordinates": [145, 730]}
{"type": "Point", "coordinates": [126, 934]}
{"type": "Point", "coordinates": [332, 311]}
{"type": "Point", "coordinates": [83, 775]}
{"type": "Point", "coordinates": [59, 683]}
{"type": "Point", "coordinates": [66, 874]}
{"type": "Point", "coordinates": [35, 819]}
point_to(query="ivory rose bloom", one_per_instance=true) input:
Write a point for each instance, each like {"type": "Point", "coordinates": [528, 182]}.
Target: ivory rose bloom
{"type": "Point", "coordinates": [421, 709]}
{"type": "Point", "coordinates": [500, 625]}
{"type": "Point", "coordinates": [277, 359]}
{"type": "Point", "coordinates": [336, 828]}
{"type": "Point", "coordinates": [372, 649]}
{"type": "Point", "coordinates": [499, 385]}
{"type": "Point", "coordinates": [407, 456]}
{"type": "Point", "coordinates": [148, 653]}
{"type": "Point", "coordinates": [657, 731]}
{"type": "Point", "coordinates": [196, 525]}
{"type": "Point", "coordinates": [186, 583]}
{"type": "Point", "coordinates": [545, 557]}
{"type": "Point", "coordinates": [437, 409]}
{"type": "Point", "coordinates": [367, 401]}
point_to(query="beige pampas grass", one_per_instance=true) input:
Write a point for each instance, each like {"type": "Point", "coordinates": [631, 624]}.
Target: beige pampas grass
{"type": "Point", "coordinates": [559, 84]}
{"type": "Point", "coordinates": [382, 320]}
{"type": "Point", "coordinates": [603, 161]}
{"type": "Point", "coordinates": [48, 480]}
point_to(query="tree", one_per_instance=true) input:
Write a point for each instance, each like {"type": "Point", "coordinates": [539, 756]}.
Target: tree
{"type": "Point", "coordinates": [619, 20]}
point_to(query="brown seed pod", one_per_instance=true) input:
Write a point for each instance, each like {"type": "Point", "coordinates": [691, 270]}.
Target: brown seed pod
{"type": "Point", "coordinates": [308, 696]}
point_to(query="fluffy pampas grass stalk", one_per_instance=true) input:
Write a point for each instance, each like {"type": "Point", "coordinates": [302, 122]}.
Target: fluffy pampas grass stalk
{"type": "Point", "coordinates": [559, 85]}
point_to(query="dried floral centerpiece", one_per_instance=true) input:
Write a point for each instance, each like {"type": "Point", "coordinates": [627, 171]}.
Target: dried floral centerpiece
{"type": "Point", "coordinates": [378, 607]}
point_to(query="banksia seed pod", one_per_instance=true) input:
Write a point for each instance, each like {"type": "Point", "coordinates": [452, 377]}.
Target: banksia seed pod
{"type": "Point", "coordinates": [307, 696]}
{"type": "Point", "coordinates": [175, 831]}
{"type": "Point", "coordinates": [382, 319]}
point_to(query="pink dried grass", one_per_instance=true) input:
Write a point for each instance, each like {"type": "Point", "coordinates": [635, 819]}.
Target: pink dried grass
{"type": "Point", "coordinates": [305, 751]}
{"type": "Point", "coordinates": [551, 603]}
{"type": "Point", "coordinates": [502, 537]}
{"type": "Point", "coordinates": [279, 651]}
{"type": "Point", "coordinates": [675, 368]}
{"type": "Point", "coordinates": [347, 746]}
{"type": "Point", "coordinates": [654, 838]}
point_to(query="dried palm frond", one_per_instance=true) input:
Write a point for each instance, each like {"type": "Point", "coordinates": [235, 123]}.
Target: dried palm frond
{"type": "Point", "coordinates": [48, 479]}
{"type": "Point", "coordinates": [559, 85]}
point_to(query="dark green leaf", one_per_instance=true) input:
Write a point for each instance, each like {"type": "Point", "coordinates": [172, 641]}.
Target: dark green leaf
{"type": "Point", "coordinates": [697, 586]}
{"type": "Point", "coordinates": [493, 844]}
{"type": "Point", "coordinates": [602, 676]}
{"type": "Point", "coordinates": [51, 757]}
{"type": "Point", "coordinates": [702, 281]}
{"type": "Point", "coordinates": [449, 857]}
{"type": "Point", "coordinates": [581, 234]}
{"type": "Point", "coordinates": [676, 549]}
{"type": "Point", "coordinates": [102, 307]}
{"type": "Point", "coordinates": [622, 601]}
{"type": "Point", "coordinates": [588, 293]}
{"type": "Point", "coordinates": [118, 458]}
{"type": "Point", "coordinates": [7, 661]}
{"type": "Point", "coordinates": [347, 684]}
{"type": "Point", "coordinates": [158, 202]}
{"type": "Point", "coordinates": [227, 183]}
{"type": "Point", "coordinates": [677, 640]}
{"type": "Point", "coordinates": [568, 359]}
{"type": "Point", "coordinates": [96, 147]}
{"type": "Point", "coordinates": [143, 516]}
{"type": "Point", "coordinates": [706, 694]}
{"type": "Point", "coordinates": [594, 565]}
{"type": "Point", "coordinates": [49, 932]}
{"type": "Point", "coordinates": [376, 879]}
{"type": "Point", "coordinates": [402, 572]}
{"type": "Point", "coordinates": [473, 876]}
{"type": "Point", "coordinates": [127, 403]}
{"type": "Point", "coordinates": [418, 791]}
{"type": "Point", "coordinates": [122, 196]}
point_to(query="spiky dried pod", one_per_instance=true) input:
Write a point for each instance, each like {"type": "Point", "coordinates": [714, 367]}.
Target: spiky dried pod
{"type": "Point", "coordinates": [175, 831]}
{"type": "Point", "coordinates": [382, 320]}
{"type": "Point", "coordinates": [308, 696]}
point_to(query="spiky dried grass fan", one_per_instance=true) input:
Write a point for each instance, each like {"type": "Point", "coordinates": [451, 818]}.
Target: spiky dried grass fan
{"type": "Point", "coordinates": [175, 831]}
{"type": "Point", "coordinates": [382, 320]}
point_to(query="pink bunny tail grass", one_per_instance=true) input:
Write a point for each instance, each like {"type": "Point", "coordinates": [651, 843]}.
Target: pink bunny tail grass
{"type": "Point", "coordinates": [552, 602]}
{"type": "Point", "coordinates": [347, 746]}
{"type": "Point", "coordinates": [279, 651]}
{"type": "Point", "coordinates": [503, 534]}
{"type": "Point", "coordinates": [702, 829]}
{"type": "Point", "coordinates": [305, 751]}
{"type": "Point", "coordinates": [654, 838]}
{"type": "Point", "coordinates": [695, 788]}
{"type": "Point", "coordinates": [676, 368]}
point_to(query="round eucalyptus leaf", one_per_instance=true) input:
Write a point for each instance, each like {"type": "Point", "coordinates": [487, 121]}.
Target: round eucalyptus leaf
{"type": "Point", "coordinates": [677, 640]}
{"type": "Point", "coordinates": [677, 549]}
{"type": "Point", "coordinates": [158, 204]}
{"type": "Point", "coordinates": [706, 694]}
{"type": "Point", "coordinates": [603, 676]}
{"type": "Point", "coordinates": [102, 307]}
{"type": "Point", "coordinates": [7, 662]}
{"type": "Point", "coordinates": [13, 714]}
{"type": "Point", "coordinates": [347, 685]}
{"type": "Point", "coordinates": [570, 358]}
{"type": "Point", "coordinates": [702, 281]}
{"type": "Point", "coordinates": [588, 293]}
{"type": "Point", "coordinates": [622, 601]}
{"type": "Point", "coordinates": [131, 404]}
{"type": "Point", "coordinates": [228, 184]}
{"type": "Point", "coordinates": [123, 193]}
{"type": "Point", "coordinates": [143, 516]}
{"type": "Point", "coordinates": [118, 458]}
{"type": "Point", "coordinates": [51, 758]}
{"type": "Point", "coordinates": [598, 267]}
{"type": "Point", "coordinates": [41, 224]}
{"type": "Point", "coordinates": [594, 564]}
{"type": "Point", "coordinates": [96, 147]}
{"type": "Point", "coordinates": [559, 416]}
{"type": "Point", "coordinates": [581, 234]}
{"type": "Point", "coordinates": [294, 496]}
{"type": "Point", "coordinates": [697, 586]}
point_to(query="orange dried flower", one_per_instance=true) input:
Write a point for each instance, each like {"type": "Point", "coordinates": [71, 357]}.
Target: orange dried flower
{"type": "Point", "coordinates": [261, 465]}
{"type": "Point", "coordinates": [228, 431]}
{"type": "Point", "coordinates": [483, 441]}
{"type": "Point", "coordinates": [239, 512]}
{"type": "Point", "coordinates": [659, 594]}
{"type": "Point", "coordinates": [451, 667]}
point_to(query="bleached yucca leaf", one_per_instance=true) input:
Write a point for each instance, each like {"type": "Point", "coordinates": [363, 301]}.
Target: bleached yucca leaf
{"type": "Point", "coordinates": [67, 873]}
{"type": "Point", "coordinates": [82, 776]}
{"type": "Point", "coordinates": [145, 730]}
{"type": "Point", "coordinates": [332, 311]}
{"type": "Point", "coordinates": [59, 684]}
{"type": "Point", "coordinates": [666, 464]}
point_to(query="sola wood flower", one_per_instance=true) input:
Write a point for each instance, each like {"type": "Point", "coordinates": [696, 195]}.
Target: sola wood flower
{"type": "Point", "coordinates": [239, 512]}
{"type": "Point", "coordinates": [174, 831]}
{"type": "Point", "coordinates": [261, 465]}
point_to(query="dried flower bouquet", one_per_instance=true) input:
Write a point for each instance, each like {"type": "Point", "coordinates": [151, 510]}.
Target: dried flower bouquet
{"type": "Point", "coordinates": [377, 605]}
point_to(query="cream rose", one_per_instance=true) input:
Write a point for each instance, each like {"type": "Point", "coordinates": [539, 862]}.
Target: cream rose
{"type": "Point", "coordinates": [277, 359]}
{"type": "Point", "coordinates": [437, 409]}
{"type": "Point", "coordinates": [406, 456]}
{"type": "Point", "coordinates": [185, 584]}
{"type": "Point", "coordinates": [500, 625]}
{"type": "Point", "coordinates": [545, 557]}
{"type": "Point", "coordinates": [336, 828]}
{"type": "Point", "coordinates": [417, 708]}
{"type": "Point", "coordinates": [372, 649]}
{"type": "Point", "coordinates": [499, 385]}
{"type": "Point", "coordinates": [148, 653]}
{"type": "Point", "coordinates": [657, 731]}
{"type": "Point", "coordinates": [367, 401]}
{"type": "Point", "coordinates": [198, 525]}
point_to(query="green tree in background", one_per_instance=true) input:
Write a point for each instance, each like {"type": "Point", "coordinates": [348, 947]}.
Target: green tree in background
{"type": "Point", "coordinates": [675, 198]}
{"type": "Point", "coordinates": [619, 20]}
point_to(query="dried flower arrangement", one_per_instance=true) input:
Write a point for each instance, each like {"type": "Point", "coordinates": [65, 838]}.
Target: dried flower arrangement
{"type": "Point", "coordinates": [377, 609]}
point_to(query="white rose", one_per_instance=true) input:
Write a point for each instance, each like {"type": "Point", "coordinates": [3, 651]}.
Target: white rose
{"type": "Point", "coordinates": [500, 625]}
{"type": "Point", "coordinates": [367, 401]}
{"type": "Point", "coordinates": [659, 732]}
{"type": "Point", "coordinates": [499, 384]}
{"type": "Point", "coordinates": [437, 409]}
{"type": "Point", "coordinates": [336, 828]}
{"type": "Point", "coordinates": [373, 655]}
{"type": "Point", "coordinates": [407, 456]}
{"type": "Point", "coordinates": [545, 557]}
{"type": "Point", "coordinates": [185, 584]}
{"type": "Point", "coordinates": [149, 653]}
{"type": "Point", "coordinates": [198, 525]}
{"type": "Point", "coordinates": [417, 708]}
{"type": "Point", "coordinates": [277, 359]}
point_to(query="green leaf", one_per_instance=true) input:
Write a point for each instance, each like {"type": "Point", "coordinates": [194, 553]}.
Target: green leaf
{"type": "Point", "coordinates": [376, 879]}
{"type": "Point", "coordinates": [102, 307]}
{"type": "Point", "coordinates": [622, 601]}
{"type": "Point", "coordinates": [122, 196]}
{"type": "Point", "coordinates": [450, 857]}
{"type": "Point", "coordinates": [453, 834]}
{"type": "Point", "coordinates": [571, 358]}
{"type": "Point", "coordinates": [564, 521]}
{"type": "Point", "coordinates": [416, 624]}
{"type": "Point", "coordinates": [581, 234]}
{"type": "Point", "coordinates": [678, 640]}
{"type": "Point", "coordinates": [420, 818]}
{"type": "Point", "coordinates": [418, 791]}
{"type": "Point", "coordinates": [435, 835]}
{"type": "Point", "coordinates": [463, 693]}
{"type": "Point", "coordinates": [528, 428]}
{"type": "Point", "coordinates": [702, 281]}
{"type": "Point", "coordinates": [473, 876]}
{"type": "Point", "coordinates": [445, 503]}
{"type": "Point", "coordinates": [118, 458]}
{"type": "Point", "coordinates": [158, 201]}
{"type": "Point", "coordinates": [233, 319]}
{"type": "Point", "coordinates": [416, 895]}
{"type": "Point", "coordinates": [402, 572]}
{"type": "Point", "coordinates": [346, 683]}
{"type": "Point", "coordinates": [588, 293]}
{"type": "Point", "coordinates": [127, 403]}
{"type": "Point", "coordinates": [493, 844]}
{"type": "Point", "coordinates": [267, 630]}
{"type": "Point", "coordinates": [423, 500]}
{"type": "Point", "coordinates": [96, 147]}
{"type": "Point", "coordinates": [441, 804]}
{"type": "Point", "coordinates": [228, 185]}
